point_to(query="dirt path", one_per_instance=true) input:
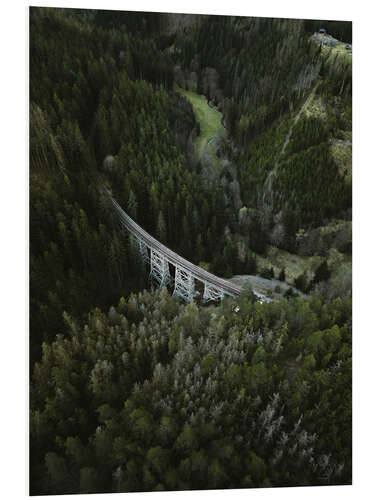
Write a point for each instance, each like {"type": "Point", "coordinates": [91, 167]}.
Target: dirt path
{"type": "Point", "coordinates": [267, 187]}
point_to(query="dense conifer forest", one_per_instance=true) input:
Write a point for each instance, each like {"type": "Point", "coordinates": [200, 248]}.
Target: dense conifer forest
{"type": "Point", "coordinates": [130, 388]}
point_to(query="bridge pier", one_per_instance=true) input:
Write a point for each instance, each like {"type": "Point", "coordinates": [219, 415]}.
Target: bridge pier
{"type": "Point", "coordinates": [184, 285]}
{"type": "Point", "coordinates": [212, 292]}
{"type": "Point", "coordinates": [143, 251]}
{"type": "Point", "coordinates": [138, 244]}
{"type": "Point", "coordinates": [159, 268]}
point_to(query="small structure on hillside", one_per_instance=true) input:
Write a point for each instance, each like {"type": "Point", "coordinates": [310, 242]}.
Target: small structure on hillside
{"type": "Point", "coordinates": [332, 43]}
{"type": "Point", "coordinates": [322, 30]}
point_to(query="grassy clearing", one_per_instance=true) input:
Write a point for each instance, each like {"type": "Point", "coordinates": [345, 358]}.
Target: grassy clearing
{"type": "Point", "coordinates": [342, 153]}
{"type": "Point", "coordinates": [339, 264]}
{"type": "Point", "coordinates": [316, 108]}
{"type": "Point", "coordinates": [341, 149]}
{"type": "Point", "coordinates": [338, 51]}
{"type": "Point", "coordinates": [293, 264]}
{"type": "Point", "coordinates": [209, 119]}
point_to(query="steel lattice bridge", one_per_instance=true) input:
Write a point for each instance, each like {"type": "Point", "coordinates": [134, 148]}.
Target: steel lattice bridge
{"type": "Point", "coordinates": [161, 258]}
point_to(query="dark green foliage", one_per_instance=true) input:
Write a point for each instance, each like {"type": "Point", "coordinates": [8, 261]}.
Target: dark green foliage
{"type": "Point", "coordinates": [322, 273]}
{"type": "Point", "coordinates": [259, 72]}
{"type": "Point", "coordinates": [263, 399]}
{"type": "Point", "coordinates": [308, 132]}
{"type": "Point", "coordinates": [302, 283]}
{"type": "Point", "coordinates": [338, 29]}
{"type": "Point", "coordinates": [257, 61]}
{"type": "Point", "coordinates": [267, 272]}
{"type": "Point", "coordinates": [282, 275]}
{"type": "Point", "coordinates": [289, 293]}
{"type": "Point", "coordinates": [312, 185]}
{"type": "Point", "coordinates": [83, 99]}
{"type": "Point", "coordinates": [248, 293]}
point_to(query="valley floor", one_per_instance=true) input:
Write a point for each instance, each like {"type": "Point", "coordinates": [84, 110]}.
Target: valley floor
{"type": "Point", "coordinates": [209, 119]}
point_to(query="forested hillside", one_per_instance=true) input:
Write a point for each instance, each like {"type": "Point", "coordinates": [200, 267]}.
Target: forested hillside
{"type": "Point", "coordinates": [259, 72]}
{"type": "Point", "coordinates": [87, 101]}
{"type": "Point", "coordinates": [156, 394]}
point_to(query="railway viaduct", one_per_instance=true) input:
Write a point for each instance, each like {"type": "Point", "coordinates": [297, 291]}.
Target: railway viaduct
{"type": "Point", "coordinates": [160, 258]}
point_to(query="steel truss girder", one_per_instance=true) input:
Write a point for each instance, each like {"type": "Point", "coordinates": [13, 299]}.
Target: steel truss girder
{"type": "Point", "coordinates": [212, 292]}
{"type": "Point", "coordinates": [143, 250]}
{"type": "Point", "coordinates": [142, 247]}
{"type": "Point", "coordinates": [159, 268]}
{"type": "Point", "coordinates": [184, 285]}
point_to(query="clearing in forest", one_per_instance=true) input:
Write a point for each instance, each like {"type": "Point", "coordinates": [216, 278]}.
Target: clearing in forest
{"type": "Point", "coordinates": [208, 117]}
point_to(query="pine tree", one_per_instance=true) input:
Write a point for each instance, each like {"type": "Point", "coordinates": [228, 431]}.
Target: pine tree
{"type": "Point", "coordinates": [161, 229]}
{"type": "Point", "coordinates": [132, 205]}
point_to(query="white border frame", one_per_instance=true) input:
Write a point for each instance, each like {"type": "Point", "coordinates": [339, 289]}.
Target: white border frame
{"type": "Point", "coordinates": [14, 211]}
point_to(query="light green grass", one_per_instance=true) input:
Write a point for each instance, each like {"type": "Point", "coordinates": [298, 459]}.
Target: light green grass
{"type": "Point", "coordinates": [209, 119]}
{"type": "Point", "coordinates": [339, 50]}
{"type": "Point", "coordinates": [316, 108]}
{"type": "Point", "coordinates": [342, 154]}
{"type": "Point", "coordinates": [293, 264]}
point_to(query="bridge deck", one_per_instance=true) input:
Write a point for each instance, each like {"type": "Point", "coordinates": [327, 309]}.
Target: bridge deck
{"type": "Point", "coordinates": [199, 273]}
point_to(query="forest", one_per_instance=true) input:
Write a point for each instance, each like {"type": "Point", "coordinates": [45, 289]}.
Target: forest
{"type": "Point", "coordinates": [130, 388]}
